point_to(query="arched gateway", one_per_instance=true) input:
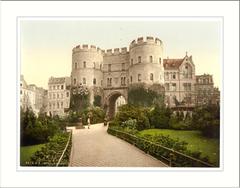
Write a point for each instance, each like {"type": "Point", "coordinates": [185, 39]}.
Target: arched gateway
{"type": "Point", "coordinates": [109, 73]}
{"type": "Point", "coordinates": [110, 100]}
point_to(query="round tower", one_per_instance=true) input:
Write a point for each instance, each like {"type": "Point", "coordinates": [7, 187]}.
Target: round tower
{"type": "Point", "coordinates": [146, 61]}
{"type": "Point", "coordinates": [87, 63]}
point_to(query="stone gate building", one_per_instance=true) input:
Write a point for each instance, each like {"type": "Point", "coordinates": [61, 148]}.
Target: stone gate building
{"type": "Point", "coordinates": [109, 73]}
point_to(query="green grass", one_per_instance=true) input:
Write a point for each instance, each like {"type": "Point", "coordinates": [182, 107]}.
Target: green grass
{"type": "Point", "coordinates": [196, 142]}
{"type": "Point", "coordinates": [27, 151]}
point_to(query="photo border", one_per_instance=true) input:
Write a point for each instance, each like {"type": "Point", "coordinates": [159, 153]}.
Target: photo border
{"type": "Point", "coordinates": [119, 169]}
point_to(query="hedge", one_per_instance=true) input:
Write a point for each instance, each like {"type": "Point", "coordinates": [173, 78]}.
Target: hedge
{"type": "Point", "coordinates": [169, 156]}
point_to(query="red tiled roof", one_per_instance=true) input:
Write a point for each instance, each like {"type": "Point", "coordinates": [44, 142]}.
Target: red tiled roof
{"type": "Point", "coordinates": [172, 63]}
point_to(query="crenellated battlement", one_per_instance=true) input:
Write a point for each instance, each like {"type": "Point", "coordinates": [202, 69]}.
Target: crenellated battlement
{"type": "Point", "coordinates": [86, 47]}
{"type": "Point", "coordinates": [115, 51]}
{"type": "Point", "coordinates": [143, 41]}
{"type": "Point", "coordinates": [118, 51]}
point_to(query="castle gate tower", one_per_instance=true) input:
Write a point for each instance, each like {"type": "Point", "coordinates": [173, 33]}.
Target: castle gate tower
{"type": "Point", "coordinates": [87, 63]}
{"type": "Point", "coordinates": [146, 61]}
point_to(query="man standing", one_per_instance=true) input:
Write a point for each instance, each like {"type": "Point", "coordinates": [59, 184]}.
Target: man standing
{"type": "Point", "coordinates": [88, 121]}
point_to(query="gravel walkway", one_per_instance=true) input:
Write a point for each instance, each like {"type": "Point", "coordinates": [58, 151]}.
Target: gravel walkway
{"type": "Point", "coordinates": [94, 147]}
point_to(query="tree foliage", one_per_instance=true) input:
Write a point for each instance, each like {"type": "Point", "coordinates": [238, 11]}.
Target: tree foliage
{"type": "Point", "coordinates": [160, 116]}
{"type": "Point", "coordinates": [37, 130]}
{"type": "Point", "coordinates": [140, 96]}
{"type": "Point", "coordinates": [127, 112]}
{"type": "Point", "coordinates": [97, 100]}
{"type": "Point", "coordinates": [79, 101]}
{"type": "Point", "coordinates": [207, 119]}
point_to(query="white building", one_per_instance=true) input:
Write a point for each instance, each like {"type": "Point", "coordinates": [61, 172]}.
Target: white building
{"type": "Point", "coordinates": [31, 96]}
{"type": "Point", "coordinates": [58, 96]}
{"type": "Point", "coordinates": [179, 76]}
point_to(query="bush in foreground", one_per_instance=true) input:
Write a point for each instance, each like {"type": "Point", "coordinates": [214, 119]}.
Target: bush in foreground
{"type": "Point", "coordinates": [52, 151]}
{"type": "Point", "coordinates": [37, 130]}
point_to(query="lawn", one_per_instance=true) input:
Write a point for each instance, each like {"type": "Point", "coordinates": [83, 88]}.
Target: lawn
{"type": "Point", "coordinates": [196, 142]}
{"type": "Point", "coordinates": [27, 151]}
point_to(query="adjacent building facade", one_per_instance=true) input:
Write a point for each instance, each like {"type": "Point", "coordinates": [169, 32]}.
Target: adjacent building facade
{"type": "Point", "coordinates": [32, 97]}
{"type": "Point", "coordinates": [205, 90]}
{"type": "Point", "coordinates": [179, 77]}
{"type": "Point", "coordinates": [58, 96]}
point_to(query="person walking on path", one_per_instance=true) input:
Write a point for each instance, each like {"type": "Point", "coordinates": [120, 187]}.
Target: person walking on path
{"type": "Point", "coordinates": [88, 121]}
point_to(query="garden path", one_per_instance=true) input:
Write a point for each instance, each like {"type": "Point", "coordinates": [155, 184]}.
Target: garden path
{"type": "Point", "coordinates": [94, 147]}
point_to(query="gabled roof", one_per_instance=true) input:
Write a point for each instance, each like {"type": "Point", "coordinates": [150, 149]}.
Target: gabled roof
{"type": "Point", "coordinates": [59, 80]}
{"type": "Point", "coordinates": [172, 63]}
{"type": "Point", "coordinates": [169, 64]}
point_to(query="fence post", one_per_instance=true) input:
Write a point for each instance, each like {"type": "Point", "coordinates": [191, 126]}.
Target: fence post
{"type": "Point", "coordinates": [171, 157]}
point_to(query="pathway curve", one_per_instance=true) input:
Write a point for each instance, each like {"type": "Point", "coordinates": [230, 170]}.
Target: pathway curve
{"type": "Point", "coordinates": [96, 148]}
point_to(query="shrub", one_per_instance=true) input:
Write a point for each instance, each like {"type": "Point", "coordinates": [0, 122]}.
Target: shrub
{"type": "Point", "coordinates": [212, 130]}
{"type": "Point", "coordinates": [52, 151]}
{"type": "Point", "coordinates": [207, 119]}
{"type": "Point", "coordinates": [166, 141]}
{"type": "Point", "coordinates": [73, 117]}
{"type": "Point", "coordinates": [127, 112]}
{"type": "Point", "coordinates": [160, 116]}
{"type": "Point", "coordinates": [177, 124]}
{"type": "Point", "coordinates": [37, 130]}
{"type": "Point", "coordinates": [96, 114]}
{"type": "Point", "coordinates": [113, 124]}
{"type": "Point", "coordinates": [131, 123]}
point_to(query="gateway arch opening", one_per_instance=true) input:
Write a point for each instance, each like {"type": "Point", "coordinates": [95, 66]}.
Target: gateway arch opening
{"type": "Point", "coordinates": [115, 101]}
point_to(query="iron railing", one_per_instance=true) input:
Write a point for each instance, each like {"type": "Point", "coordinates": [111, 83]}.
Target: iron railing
{"type": "Point", "coordinates": [169, 156]}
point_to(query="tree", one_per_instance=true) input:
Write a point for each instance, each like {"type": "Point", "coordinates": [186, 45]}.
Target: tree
{"type": "Point", "coordinates": [159, 117]}
{"type": "Point", "coordinates": [207, 119]}
{"type": "Point", "coordinates": [145, 97]}
{"type": "Point", "coordinates": [97, 100]}
{"type": "Point", "coordinates": [79, 99]}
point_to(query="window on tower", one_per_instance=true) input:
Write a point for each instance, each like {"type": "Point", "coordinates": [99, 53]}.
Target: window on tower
{"type": "Point", "coordinates": [94, 81]}
{"type": "Point", "coordinates": [84, 80]}
{"type": "Point", "coordinates": [151, 59]}
{"type": "Point", "coordinates": [84, 64]}
{"type": "Point", "coordinates": [139, 59]}
{"type": "Point", "coordinates": [109, 81]}
{"type": "Point", "coordinates": [131, 62]}
{"type": "Point", "coordinates": [139, 78]}
{"type": "Point", "coordinates": [151, 76]}
{"type": "Point", "coordinates": [75, 65]}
